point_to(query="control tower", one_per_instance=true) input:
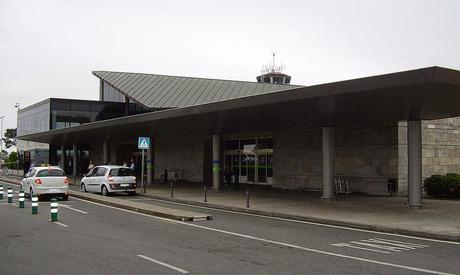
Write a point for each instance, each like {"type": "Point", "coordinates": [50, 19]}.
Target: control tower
{"type": "Point", "coordinates": [273, 74]}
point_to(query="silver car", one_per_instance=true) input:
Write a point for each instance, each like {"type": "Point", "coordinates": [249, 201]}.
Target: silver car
{"type": "Point", "coordinates": [107, 179]}
{"type": "Point", "coordinates": [46, 181]}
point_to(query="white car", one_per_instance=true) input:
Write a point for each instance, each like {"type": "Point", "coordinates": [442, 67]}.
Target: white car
{"type": "Point", "coordinates": [46, 181]}
{"type": "Point", "coordinates": [108, 179]}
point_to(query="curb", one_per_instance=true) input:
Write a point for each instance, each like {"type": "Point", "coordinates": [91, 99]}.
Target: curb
{"type": "Point", "coordinates": [385, 229]}
{"type": "Point", "coordinates": [141, 210]}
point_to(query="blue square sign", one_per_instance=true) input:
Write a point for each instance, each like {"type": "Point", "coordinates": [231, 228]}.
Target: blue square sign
{"type": "Point", "coordinates": [143, 143]}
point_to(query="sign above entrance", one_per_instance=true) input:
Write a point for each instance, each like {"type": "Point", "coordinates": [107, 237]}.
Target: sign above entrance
{"type": "Point", "coordinates": [143, 143]}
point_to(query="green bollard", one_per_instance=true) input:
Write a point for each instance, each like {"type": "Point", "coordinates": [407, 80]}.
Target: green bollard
{"type": "Point", "coordinates": [10, 195]}
{"type": "Point", "coordinates": [54, 210]}
{"type": "Point", "coordinates": [21, 198]}
{"type": "Point", "coordinates": [34, 204]}
{"type": "Point", "coordinates": [1, 192]}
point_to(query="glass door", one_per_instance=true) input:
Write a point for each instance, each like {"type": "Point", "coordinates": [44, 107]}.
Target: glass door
{"type": "Point", "coordinates": [270, 168]}
{"type": "Point", "coordinates": [251, 166]}
{"type": "Point", "coordinates": [262, 169]}
{"type": "Point", "coordinates": [236, 167]}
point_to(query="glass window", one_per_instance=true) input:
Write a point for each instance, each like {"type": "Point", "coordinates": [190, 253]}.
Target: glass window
{"type": "Point", "coordinates": [50, 173]}
{"type": "Point", "coordinates": [101, 172]}
{"type": "Point", "coordinates": [248, 145]}
{"type": "Point", "coordinates": [232, 144]}
{"type": "Point", "coordinates": [60, 105]}
{"type": "Point", "coordinates": [264, 143]}
{"type": "Point", "coordinates": [31, 173]}
{"type": "Point", "coordinates": [121, 172]}
{"type": "Point", "coordinates": [60, 119]}
{"type": "Point", "coordinates": [80, 117]}
{"type": "Point", "coordinates": [80, 106]}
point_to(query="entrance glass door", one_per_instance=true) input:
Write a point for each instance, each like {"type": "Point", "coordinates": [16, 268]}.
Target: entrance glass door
{"type": "Point", "coordinates": [262, 169]}
{"type": "Point", "coordinates": [251, 165]}
{"type": "Point", "coordinates": [249, 160]}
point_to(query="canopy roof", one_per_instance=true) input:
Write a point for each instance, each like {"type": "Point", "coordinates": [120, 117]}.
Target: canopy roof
{"type": "Point", "coordinates": [422, 94]}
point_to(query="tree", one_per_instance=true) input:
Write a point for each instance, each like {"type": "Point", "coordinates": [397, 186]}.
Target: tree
{"type": "Point", "coordinates": [10, 137]}
{"type": "Point", "coordinates": [11, 162]}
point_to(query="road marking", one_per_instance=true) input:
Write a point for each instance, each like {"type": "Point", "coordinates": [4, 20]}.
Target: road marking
{"type": "Point", "coordinates": [277, 243]}
{"type": "Point", "coordinates": [183, 271]}
{"type": "Point", "coordinates": [61, 224]}
{"type": "Point", "coordinates": [74, 209]}
{"type": "Point", "coordinates": [381, 245]}
{"type": "Point", "coordinates": [311, 223]}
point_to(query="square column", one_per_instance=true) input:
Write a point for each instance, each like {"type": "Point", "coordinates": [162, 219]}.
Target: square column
{"type": "Point", "coordinates": [216, 162]}
{"type": "Point", "coordinates": [74, 161]}
{"type": "Point", "coordinates": [414, 156]}
{"type": "Point", "coordinates": [328, 163]}
{"type": "Point", "coordinates": [105, 153]}
{"type": "Point", "coordinates": [63, 157]}
{"type": "Point", "coordinates": [149, 164]}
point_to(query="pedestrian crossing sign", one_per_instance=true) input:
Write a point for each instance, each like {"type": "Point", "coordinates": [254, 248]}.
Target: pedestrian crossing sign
{"type": "Point", "coordinates": [143, 143]}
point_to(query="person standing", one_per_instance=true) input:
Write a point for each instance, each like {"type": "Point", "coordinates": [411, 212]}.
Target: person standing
{"type": "Point", "coordinates": [132, 165]}
{"type": "Point", "coordinates": [90, 166]}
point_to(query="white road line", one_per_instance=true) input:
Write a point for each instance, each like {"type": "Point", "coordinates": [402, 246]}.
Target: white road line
{"type": "Point", "coordinates": [61, 224]}
{"type": "Point", "coordinates": [362, 248]}
{"type": "Point", "coordinates": [311, 223]}
{"type": "Point", "coordinates": [183, 271]}
{"type": "Point", "coordinates": [74, 209]}
{"type": "Point", "coordinates": [278, 243]}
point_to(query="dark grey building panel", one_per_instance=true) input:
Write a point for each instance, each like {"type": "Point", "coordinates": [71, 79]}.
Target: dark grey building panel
{"type": "Point", "coordinates": [152, 90]}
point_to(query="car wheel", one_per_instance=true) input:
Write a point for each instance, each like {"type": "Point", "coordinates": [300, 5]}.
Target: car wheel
{"type": "Point", "coordinates": [83, 187]}
{"type": "Point", "coordinates": [132, 193]}
{"type": "Point", "coordinates": [104, 191]}
{"type": "Point", "coordinates": [65, 197]}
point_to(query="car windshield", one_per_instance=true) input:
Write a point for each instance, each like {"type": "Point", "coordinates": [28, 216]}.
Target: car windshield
{"type": "Point", "coordinates": [50, 173]}
{"type": "Point", "coordinates": [121, 172]}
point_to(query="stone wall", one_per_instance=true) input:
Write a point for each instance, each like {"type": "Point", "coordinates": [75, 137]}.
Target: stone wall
{"type": "Point", "coordinates": [440, 149]}
{"type": "Point", "coordinates": [367, 154]}
{"type": "Point", "coordinates": [184, 154]}
{"type": "Point", "coordinates": [297, 159]}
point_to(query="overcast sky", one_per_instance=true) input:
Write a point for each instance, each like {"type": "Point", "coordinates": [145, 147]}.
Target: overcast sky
{"type": "Point", "coordinates": [49, 48]}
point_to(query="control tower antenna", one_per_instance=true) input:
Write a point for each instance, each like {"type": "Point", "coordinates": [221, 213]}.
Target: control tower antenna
{"type": "Point", "coordinates": [273, 74]}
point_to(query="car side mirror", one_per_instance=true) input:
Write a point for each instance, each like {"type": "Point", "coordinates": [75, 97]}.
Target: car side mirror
{"type": "Point", "coordinates": [84, 175]}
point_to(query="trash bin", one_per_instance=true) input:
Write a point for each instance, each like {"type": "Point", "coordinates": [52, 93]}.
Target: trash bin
{"type": "Point", "coordinates": [392, 186]}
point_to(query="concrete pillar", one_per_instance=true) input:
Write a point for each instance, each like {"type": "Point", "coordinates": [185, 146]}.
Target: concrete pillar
{"type": "Point", "coordinates": [216, 162]}
{"type": "Point", "coordinates": [126, 106]}
{"type": "Point", "coordinates": [149, 164]}
{"type": "Point", "coordinates": [328, 163]}
{"type": "Point", "coordinates": [105, 153]}
{"type": "Point", "coordinates": [414, 156]}
{"type": "Point", "coordinates": [63, 157]}
{"type": "Point", "coordinates": [74, 162]}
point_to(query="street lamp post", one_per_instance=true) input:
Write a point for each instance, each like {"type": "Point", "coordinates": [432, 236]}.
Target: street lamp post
{"type": "Point", "coordinates": [17, 151]}
{"type": "Point", "coordinates": [1, 135]}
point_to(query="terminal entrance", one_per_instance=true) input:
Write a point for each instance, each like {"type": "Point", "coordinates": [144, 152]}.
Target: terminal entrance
{"type": "Point", "coordinates": [249, 160]}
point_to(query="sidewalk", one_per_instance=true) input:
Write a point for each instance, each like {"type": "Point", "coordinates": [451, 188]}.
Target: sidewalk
{"type": "Point", "coordinates": [438, 219]}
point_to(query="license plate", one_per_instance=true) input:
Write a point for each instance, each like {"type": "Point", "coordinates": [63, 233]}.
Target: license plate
{"type": "Point", "coordinates": [55, 190]}
{"type": "Point", "coordinates": [124, 185]}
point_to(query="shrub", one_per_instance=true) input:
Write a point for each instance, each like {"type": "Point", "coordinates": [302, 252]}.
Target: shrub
{"type": "Point", "coordinates": [443, 186]}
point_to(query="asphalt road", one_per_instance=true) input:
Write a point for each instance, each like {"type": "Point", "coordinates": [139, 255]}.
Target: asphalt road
{"type": "Point", "coordinates": [96, 239]}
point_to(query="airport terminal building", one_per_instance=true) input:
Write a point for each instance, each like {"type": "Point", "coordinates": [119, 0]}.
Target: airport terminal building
{"type": "Point", "coordinates": [396, 128]}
